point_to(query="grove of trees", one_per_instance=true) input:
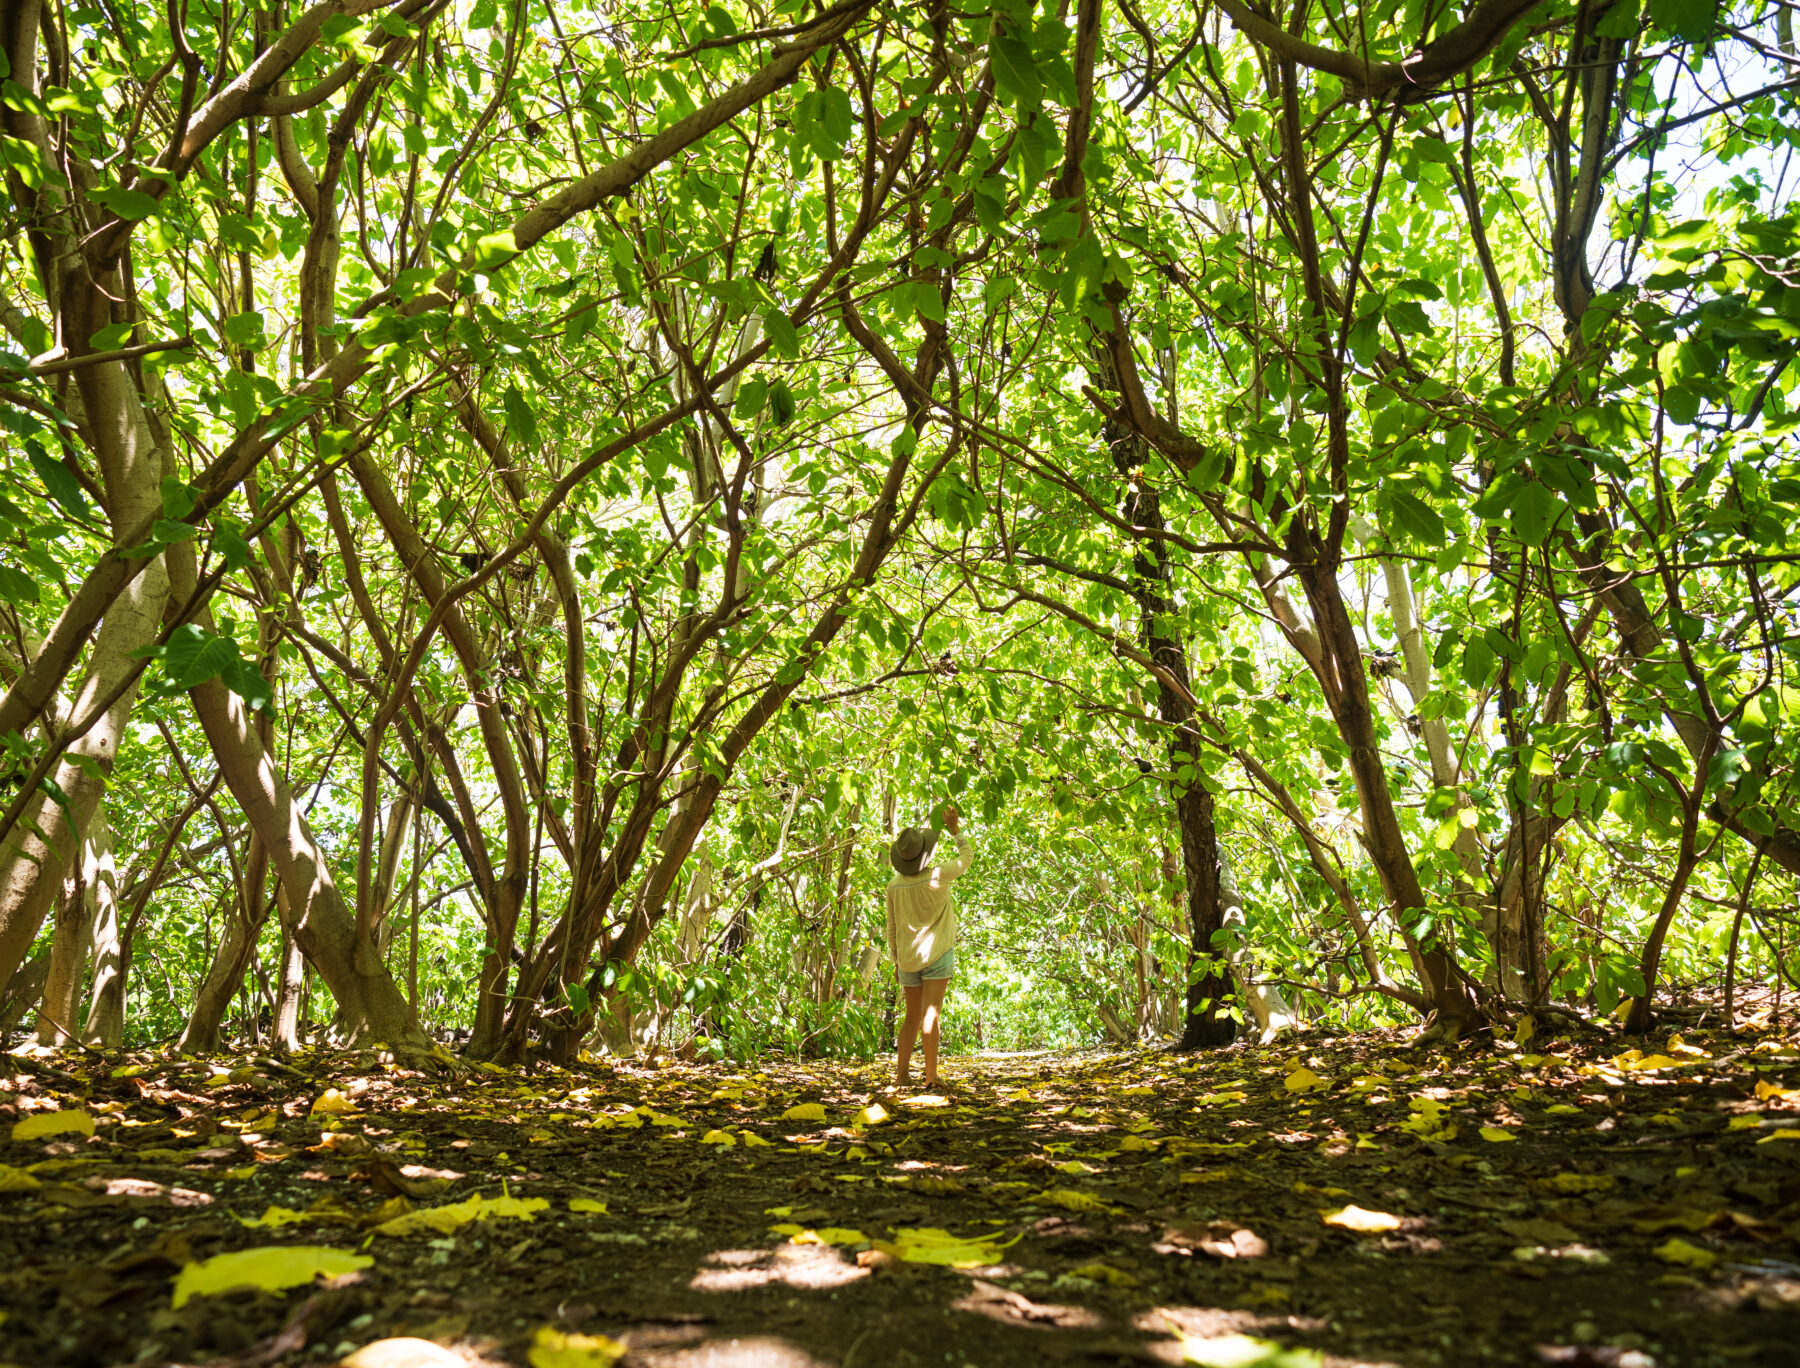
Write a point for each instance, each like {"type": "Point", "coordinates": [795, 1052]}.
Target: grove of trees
{"type": "Point", "coordinates": [507, 504]}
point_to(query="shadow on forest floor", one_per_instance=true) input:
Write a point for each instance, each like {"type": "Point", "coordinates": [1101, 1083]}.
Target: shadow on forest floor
{"type": "Point", "coordinates": [1337, 1201]}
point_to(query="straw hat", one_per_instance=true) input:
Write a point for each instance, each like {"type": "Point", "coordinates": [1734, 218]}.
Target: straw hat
{"type": "Point", "coordinates": [911, 848]}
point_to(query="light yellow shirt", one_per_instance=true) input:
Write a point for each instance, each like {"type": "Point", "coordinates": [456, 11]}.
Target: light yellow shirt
{"type": "Point", "coordinates": [921, 913]}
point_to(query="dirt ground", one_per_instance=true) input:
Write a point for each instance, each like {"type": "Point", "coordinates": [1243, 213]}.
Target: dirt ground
{"type": "Point", "coordinates": [1337, 1201]}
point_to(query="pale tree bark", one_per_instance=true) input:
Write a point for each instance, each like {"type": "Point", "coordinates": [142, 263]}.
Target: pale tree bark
{"type": "Point", "coordinates": [39, 850]}
{"type": "Point", "coordinates": [284, 1034]}
{"type": "Point", "coordinates": [22, 991]}
{"type": "Point", "coordinates": [105, 1027]}
{"type": "Point", "coordinates": [56, 1024]}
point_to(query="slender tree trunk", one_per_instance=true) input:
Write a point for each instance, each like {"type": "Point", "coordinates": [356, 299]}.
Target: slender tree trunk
{"type": "Point", "coordinates": [285, 1032]}
{"type": "Point", "coordinates": [1207, 1024]}
{"type": "Point", "coordinates": [323, 927]}
{"type": "Point", "coordinates": [32, 867]}
{"type": "Point", "coordinates": [23, 992]}
{"type": "Point", "coordinates": [57, 1023]}
{"type": "Point", "coordinates": [237, 946]}
{"type": "Point", "coordinates": [105, 1028]}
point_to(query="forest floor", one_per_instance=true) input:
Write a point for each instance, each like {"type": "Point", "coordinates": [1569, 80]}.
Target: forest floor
{"type": "Point", "coordinates": [1356, 1200]}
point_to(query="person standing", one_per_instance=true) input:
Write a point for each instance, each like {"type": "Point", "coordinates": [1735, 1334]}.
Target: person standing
{"type": "Point", "coordinates": [921, 927]}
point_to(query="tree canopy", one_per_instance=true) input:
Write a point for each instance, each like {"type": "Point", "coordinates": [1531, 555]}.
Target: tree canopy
{"type": "Point", "coordinates": [510, 503]}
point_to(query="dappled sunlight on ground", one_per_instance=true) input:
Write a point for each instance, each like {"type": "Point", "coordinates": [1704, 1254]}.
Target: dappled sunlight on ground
{"type": "Point", "coordinates": [807, 1267]}
{"type": "Point", "coordinates": [1326, 1202]}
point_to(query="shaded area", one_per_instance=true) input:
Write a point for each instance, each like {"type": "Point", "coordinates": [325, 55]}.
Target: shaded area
{"type": "Point", "coordinates": [1353, 1201]}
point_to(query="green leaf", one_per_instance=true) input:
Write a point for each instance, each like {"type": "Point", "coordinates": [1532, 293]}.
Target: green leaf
{"type": "Point", "coordinates": [228, 541]}
{"type": "Point", "coordinates": [130, 205]}
{"type": "Point", "coordinates": [243, 329]}
{"type": "Point", "coordinates": [194, 655]}
{"type": "Point", "coordinates": [751, 396]}
{"type": "Point", "coordinates": [1689, 19]}
{"type": "Point", "coordinates": [17, 588]}
{"type": "Point", "coordinates": [178, 497]}
{"type": "Point", "coordinates": [781, 402]}
{"type": "Point", "coordinates": [520, 416]}
{"type": "Point", "coordinates": [1015, 71]}
{"type": "Point", "coordinates": [64, 488]}
{"type": "Point", "coordinates": [1477, 663]}
{"type": "Point", "coordinates": [1534, 512]}
{"type": "Point", "coordinates": [782, 334]}
{"type": "Point", "coordinates": [112, 336]}
{"type": "Point", "coordinates": [247, 682]}
{"type": "Point", "coordinates": [1416, 518]}
{"type": "Point", "coordinates": [492, 250]}
{"type": "Point", "coordinates": [167, 531]}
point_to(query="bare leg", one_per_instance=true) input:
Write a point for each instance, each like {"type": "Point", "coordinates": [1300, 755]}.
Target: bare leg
{"type": "Point", "coordinates": [909, 1029]}
{"type": "Point", "coordinates": [932, 993]}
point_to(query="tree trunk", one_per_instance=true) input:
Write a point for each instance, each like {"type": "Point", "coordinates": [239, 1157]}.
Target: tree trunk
{"type": "Point", "coordinates": [237, 945]}
{"type": "Point", "coordinates": [105, 1027]}
{"type": "Point", "coordinates": [1206, 1025]}
{"type": "Point", "coordinates": [23, 990]}
{"type": "Point", "coordinates": [32, 868]}
{"type": "Point", "coordinates": [324, 929]}
{"type": "Point", "coordinates": [285, 1032]}
{"type": "Point", "coordinates": [1445, 992]}
{"type": "Point", "coordinates": [56, 1023]}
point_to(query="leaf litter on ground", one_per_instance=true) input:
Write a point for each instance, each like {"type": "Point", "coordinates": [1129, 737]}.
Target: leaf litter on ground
{"type": "Point", "coordinates": [1357, 1197]}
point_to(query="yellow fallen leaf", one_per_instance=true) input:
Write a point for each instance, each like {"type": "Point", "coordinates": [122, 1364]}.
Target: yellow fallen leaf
{"type": "Point", "coordinates": [856, 1152]}
{"type": "Point", "coordinates": [16, 1180]}
{"type": "Point", "coordinates": [1072, 1200]}
{"type": "Point", "coordinates": [1304, 1079]}
{"type": "Point", "coordinates": [1766, 1090]}
{"type": "Point", "coordinates": [1525, 1030]}
{"type": "Point", "coordinates": [805, 1111]}
{"type": "Point", "coordinates": [442, 1220]}
{"type": "Point", "coordinates": [719, 1137]}
{"type": "Point", "coordinates": [824, 1235]}
{"type": "Point", "coordinates": [333, 1102]}
{"type": "Point", "coordinates": [1106, 1273]}
{"type": "Point", "coordinates": [1302, 1188]}
{"type": "Point", "coordinates": [1136, 1144]}
{"type": "Point", "coordinates": [272, 1268]}
{"type": "Point", "coordinates": [1138, 1092]}
{"type": "Point", "coordinates": [274, 1217]}
{"type": "Point", "coordinates": [39, 1124]}
{"type": "Point", "coordinates": [925, 1100]}
{"type": "Point", "coordinates": [873, 1115]}
{"type": "Point", "coordinates": [587, 1204]}
{"type": "Point", "coordinates": [553, 1348]}
{"type": "Point", "coordinates": [1495, 1134]}
{"type": "Point", "coordinates": [1773, 1136]}
{"type": "Point", "coordinates": [1363, 1222]}
{"type": "Point", "coordinates": [1679, 1251]}
{"type": "Point", "coordinates": [1572, 1183]}
{"type": "Point", "coordinates": [754, 1141]}
{"type": "Point", "coordinates": [1563, 1109]}
{"type": "Point", "coordinates": [1074, 1168]}
{"type": "Point", "coordinates": [1654, 1220]}
{"type": "Point", "coordinates": [928, 1245]}
{"type": "Point", "coordinates": [1211, 1098]}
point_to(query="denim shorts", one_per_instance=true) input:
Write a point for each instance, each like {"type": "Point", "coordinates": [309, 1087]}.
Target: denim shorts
{"type": "Point", "coordinates": [940, 968]}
